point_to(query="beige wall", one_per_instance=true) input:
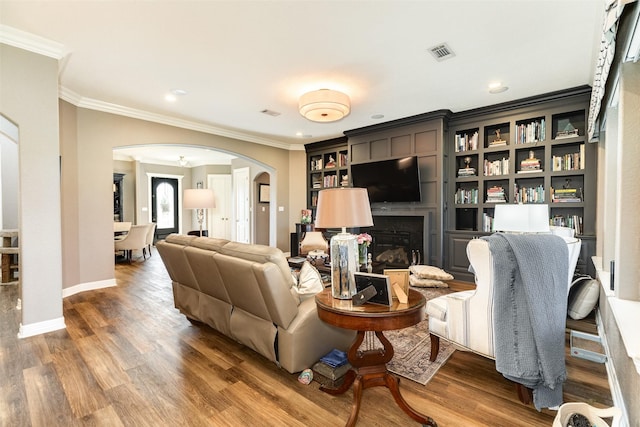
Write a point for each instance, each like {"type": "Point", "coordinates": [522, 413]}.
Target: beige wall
{"type": "Point", "coordinates": [29, 98]}
{"type": "Point", "coordinates": [97, 133]}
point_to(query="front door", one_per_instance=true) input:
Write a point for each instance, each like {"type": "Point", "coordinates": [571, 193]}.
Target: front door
{"type": "Point", "coordinates": [164, 206]}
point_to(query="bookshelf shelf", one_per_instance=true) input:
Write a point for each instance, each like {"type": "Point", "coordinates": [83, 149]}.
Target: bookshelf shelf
{"type": "Point", "coordinates": [328, 167]}
{"type": "Point", "coordinates": [542, 157]}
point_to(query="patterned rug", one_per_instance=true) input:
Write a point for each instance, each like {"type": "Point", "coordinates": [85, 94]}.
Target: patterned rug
{"type": "Point", "coordinates": [412, 347]}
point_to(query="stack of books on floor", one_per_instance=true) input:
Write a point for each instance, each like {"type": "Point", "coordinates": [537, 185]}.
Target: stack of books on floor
{"type": "Point", "coordinates": [495, 194]}
{"type": "Point", "coordinates": [329, 371]}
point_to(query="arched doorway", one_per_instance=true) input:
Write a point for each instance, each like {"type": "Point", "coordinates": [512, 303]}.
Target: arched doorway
{"type": "Point", "coordinates": [197, 165]}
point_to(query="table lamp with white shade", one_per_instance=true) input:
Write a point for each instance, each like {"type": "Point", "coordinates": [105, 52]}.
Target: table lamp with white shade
{"type": "Point", "coordinates": [199, 199]}
{"type": "Point", "coordinates": [343, 208]}
{"type": "Point", "coordinates": [521, 218]}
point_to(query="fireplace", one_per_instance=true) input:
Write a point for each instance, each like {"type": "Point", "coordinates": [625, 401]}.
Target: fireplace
{"type": "Point", "coordinates": [397, 241]}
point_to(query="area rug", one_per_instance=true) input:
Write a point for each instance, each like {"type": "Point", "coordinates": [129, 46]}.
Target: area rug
{"type": "Point", "coordinates": [412, 347]}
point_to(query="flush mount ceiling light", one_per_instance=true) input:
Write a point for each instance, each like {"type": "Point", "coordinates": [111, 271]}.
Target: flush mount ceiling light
{"type": "Point", "coordinates": [324, 105]}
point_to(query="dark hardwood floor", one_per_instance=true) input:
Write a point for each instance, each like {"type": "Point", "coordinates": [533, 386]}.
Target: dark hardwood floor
{"type": "Point", "coordinates": [128, 358]}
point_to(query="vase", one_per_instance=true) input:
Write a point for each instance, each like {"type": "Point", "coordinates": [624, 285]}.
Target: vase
{"type": "Point", "coordinates": [362, 254]}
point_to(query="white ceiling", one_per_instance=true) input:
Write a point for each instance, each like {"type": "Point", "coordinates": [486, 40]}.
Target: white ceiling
{"type": "Point", "coordinates": [237, 58]}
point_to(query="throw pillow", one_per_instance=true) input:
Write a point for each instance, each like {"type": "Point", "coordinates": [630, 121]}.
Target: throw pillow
{"type": "Point", "coordinates": [583, 297]}
{"type": "Point", "coordinates": [309, 281]}
{"type": "Point", "coordinates": [430, 272]}
{"type": "Point", "coordinates": [426, 283]}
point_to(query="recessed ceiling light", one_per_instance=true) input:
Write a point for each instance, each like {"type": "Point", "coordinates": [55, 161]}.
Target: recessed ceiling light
{"type": "Point", "coordinates": [377, 116]}
{"type": "Point", "coordinates": [179, 92]}
{"type": "Point", "coordinates": [170, 97]}
{"type": "Point", "coordinates": [497, 87]}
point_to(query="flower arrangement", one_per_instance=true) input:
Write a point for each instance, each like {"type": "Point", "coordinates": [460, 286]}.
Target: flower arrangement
{"type": "Point", "coordinates": [364, 238]}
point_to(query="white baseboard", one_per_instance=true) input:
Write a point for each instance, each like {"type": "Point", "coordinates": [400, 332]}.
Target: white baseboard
{"type": "Point", "coordinates": [41, 327]}
{"type": "Point", "coordinates": [614, 384]}
{"type": "Point", "coordinates": [90, 286]}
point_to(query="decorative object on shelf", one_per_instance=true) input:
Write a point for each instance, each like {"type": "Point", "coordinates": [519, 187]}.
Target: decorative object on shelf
{"type": "Point", "coordinates": [343, 208]}
{"type": "Point", "coordinates": [497, 141]}
{"type": "Point", "coordinates": [467, 170]}
{"type": "Point", "coordinates": [529, 218]}
{"type": "Point", "coordinates": [199, 199]}
{"type": "Point", "coordinates": [364, 240]}
{"type": "Point", "coordinates": [369, 263]}
{"type": "Point", "coordinates": [305, 216]}
{"type": "Point", "coordinates": [324, 105]}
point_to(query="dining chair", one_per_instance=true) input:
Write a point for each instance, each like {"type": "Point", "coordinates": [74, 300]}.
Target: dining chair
{"type": "Point", "coordinates": [135, 239]}
{"type": "Point", "coordinates": [151, 232]}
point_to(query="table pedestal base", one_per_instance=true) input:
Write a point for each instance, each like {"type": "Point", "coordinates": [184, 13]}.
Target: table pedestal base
{"type": "Point", "coordinates": [370, 370]}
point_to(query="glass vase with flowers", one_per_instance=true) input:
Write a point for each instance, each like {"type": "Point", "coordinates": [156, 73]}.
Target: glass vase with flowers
{"type": "Point", "coordinates": [364, 240]}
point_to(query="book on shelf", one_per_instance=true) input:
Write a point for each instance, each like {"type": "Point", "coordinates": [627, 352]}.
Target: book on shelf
{"type": "Point", "coordinates": [316, 164]}
{"type": "Point", "coordinates": [487, 223]}
{"type": "Point", "coordinates": [464, 142]}
{"type": "Point", "coordinates": [572, 161]}
{"type": "Point", "coordinates": [571, 221]}
{"type": "Point", "coordinates": [531, 132]}
{"type": "Point", "coordinates": [342, 159]}
{"type": "Point", "coordinates": [528, 194]}
{"type": "Point", "coordinates": [530, 171]}
{"type": "Point", "coordinates": [496, 167]}
{"type": "Point", "coordinates": [462, 172]}
{"type": "Point", "coordinates": [466, 196]}
{"type": "Point", "coordinates": [498, 143]}
{"type": "Point", "coordinates": [496, 194]}
{"type": "Point", "coordinates": [566, 195]}
{"type": "Point", "coordinates": [530, 164]}
{"type": "Point", "coordinates": [567, 133]}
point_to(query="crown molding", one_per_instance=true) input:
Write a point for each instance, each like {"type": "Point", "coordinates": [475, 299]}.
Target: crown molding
{"type": "Point", "coordinates": [106, 107]}
{"type": "Point", "coordinates": [27, 41]}
{"type": "Point", "coordinates": [40, 45]}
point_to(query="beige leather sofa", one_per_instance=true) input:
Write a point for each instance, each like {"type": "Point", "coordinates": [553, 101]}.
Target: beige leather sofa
{"type": "Point", "coordinates": [245, 292]}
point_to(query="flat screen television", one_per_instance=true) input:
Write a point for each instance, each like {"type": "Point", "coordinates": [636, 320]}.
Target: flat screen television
{"type": "Point", "coordinates": [395, 180]}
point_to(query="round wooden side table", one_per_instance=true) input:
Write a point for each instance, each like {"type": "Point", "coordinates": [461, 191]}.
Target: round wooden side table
{"type": "Point", "coordinates": [370, 365]}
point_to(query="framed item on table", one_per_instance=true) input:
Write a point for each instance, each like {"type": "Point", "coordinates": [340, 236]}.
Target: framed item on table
{"type": "Point", "coordinates": [399, 276]}
{"type": "Point", "coordinates": [381, 284]}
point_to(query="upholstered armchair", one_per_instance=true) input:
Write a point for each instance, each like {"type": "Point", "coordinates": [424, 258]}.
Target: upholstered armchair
{"type": "Point", "coordinates": [467, 318]}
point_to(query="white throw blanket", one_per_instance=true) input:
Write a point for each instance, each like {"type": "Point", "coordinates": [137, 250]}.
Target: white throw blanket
{"type": "Point", "coordinates": [530, 309]}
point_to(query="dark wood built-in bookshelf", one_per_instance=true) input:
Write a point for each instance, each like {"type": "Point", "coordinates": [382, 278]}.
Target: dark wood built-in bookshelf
{"type": "Point", "coordinates": [529, 151]}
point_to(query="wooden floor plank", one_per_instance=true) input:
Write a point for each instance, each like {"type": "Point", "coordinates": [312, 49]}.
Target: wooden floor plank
{"type": "Point", "coordinates": [106, 371]}
{"type": "Point", "coordinates": [81, 387]}
{"type": "Point", "coordinates": [47, 404]}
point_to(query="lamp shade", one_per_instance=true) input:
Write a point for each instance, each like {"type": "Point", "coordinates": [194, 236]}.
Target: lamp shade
{"type": "Point", "coordinates": [198, 198]}
{"type": "Point", "coordinates": [324, 105]}
{"type": "Point", "coordinates": [522, 218]}
{"type": "Point", "coordinates": [343, 207]}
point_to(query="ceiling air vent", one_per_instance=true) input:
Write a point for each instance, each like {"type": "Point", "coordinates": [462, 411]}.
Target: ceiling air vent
{"type": "Point", "coordinates": [270, 112]}
{"type": "Point", "coordinates": [441, 52]}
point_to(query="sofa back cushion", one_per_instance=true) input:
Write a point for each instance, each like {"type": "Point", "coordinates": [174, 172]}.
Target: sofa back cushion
{"type": "Point", "coordinates": [172, 253]}
{"type": "Point", "coordinates": [260, 254]}
{"type": "Point", "coordinates": [257, 288]}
